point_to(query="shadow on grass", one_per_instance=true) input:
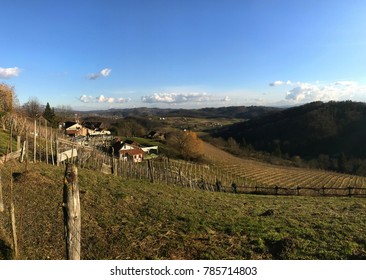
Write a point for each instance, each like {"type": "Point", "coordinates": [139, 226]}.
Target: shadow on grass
{"type": "Point", "coordinates": [6, 252]}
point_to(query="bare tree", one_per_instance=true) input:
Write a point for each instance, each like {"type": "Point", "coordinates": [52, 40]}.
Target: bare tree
{"type": "Point", "coordinates": [64, 112]}
{"type": "Point", "coordinates": [187, 143]}
{"type": "Point", "coordinates": [6, 102]}
{"type": "Point", "coordinates": [33, 108]}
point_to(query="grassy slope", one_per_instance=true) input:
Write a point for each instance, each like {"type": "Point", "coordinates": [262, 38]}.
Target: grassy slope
{"type": "Point", "coordinates": [4, 142]}
{"type": "Point", "coordinates": [126, 219]}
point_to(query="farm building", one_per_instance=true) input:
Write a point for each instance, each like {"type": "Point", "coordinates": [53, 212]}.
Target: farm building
{"type": "Point", "coordinates": [135, 155]}
{"type": "Point", "coordinates": [96, 128]}
{"type": "Point", "coordinates": [128, 150]}
{"type": "Point", "coordinates": [85, 129]}
{"type": "Point", "coordinates": [75, 129]}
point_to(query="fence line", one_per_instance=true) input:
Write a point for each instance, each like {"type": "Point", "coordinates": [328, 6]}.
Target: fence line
{"type": "Point", "coordinates": [181, 173]}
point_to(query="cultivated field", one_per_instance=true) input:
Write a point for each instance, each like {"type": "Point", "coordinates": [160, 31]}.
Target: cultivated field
{"type": "Point", "coordinates": [282, 176]}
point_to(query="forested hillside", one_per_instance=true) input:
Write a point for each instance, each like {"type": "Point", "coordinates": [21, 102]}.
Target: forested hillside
{"type": "Point", "coordinates": [330, 135]}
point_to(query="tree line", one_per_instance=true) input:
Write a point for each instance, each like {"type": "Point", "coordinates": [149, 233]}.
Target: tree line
{"type": "Point", "coordinates": [32, 109]}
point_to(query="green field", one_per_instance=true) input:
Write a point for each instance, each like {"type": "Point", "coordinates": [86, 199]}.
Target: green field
{"type": "Point", "coordinates": [5, 142]}
{"type": "Point", "coordinates": [134, 219]}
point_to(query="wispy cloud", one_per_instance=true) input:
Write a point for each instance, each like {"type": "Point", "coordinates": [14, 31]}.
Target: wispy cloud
{"type": "Point", "coordinates": [279, 83]}
{"type": "Point", "coordinates": [103, 73]}
{"type": "Point", "coordinates": [175, 97]}
{"type": "Point", "coordinates": [102, 99]}
{"type": "Point", "coordinates": [7, 73]}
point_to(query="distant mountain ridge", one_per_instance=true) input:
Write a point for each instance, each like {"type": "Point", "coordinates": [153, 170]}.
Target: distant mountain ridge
{"type": "Point", "coordinates": [239, 112]}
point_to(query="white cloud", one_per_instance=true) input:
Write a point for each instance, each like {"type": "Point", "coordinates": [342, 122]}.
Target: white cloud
{"type": "Point", "coordinates": [276, 83]}
{"type": "Point", "coordinates": [86, 99]}
{"type": "Point", "coordinates": [226, 99]}
{"type": "Point", "coordinates": [102, 99]}
{"type": "Point", "coordinates": [280, 83]}
{"type": "Point", "coordinates": [103, 73]}
{"type": "Point", "coordinates": [174, 97]}
{"type": "Point", "coordinates": [340, 90]}
{"type": "Point", "coordinates": [7, 73]}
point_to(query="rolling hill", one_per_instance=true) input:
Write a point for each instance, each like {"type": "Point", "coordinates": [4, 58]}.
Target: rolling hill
{"type": "Point", "coordinates": [332, 129]}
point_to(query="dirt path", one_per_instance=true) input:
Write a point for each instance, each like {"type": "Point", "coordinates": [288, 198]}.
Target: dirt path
{"type": "Point", "coordinates": [217, 155]}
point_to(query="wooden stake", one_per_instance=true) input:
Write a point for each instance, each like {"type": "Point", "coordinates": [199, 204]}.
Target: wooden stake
{"type": "Point", "coordinates": [72, 216]}
{"type": "Point", "coordinates": [35, 142]}
{"type": "Point", "coordinates": [11, 136]}
{"type": "Point", "coordinates": [52, 155]}
{"type": "Point", "coordinates": [12, 215]}
{"type": "Point", "coordinates": [46, 142]}
{"type": "Point", "coordinates": [18, 142]}
{"type": "Point", "coordinates": [1, 197]}
{"type": "Point", "coordinates": [57, 152]}
{"type": "Point", "coordinates": [23, 152]}
{"type": "Point", "coordinates": [150, 171]}
{"type": "Point", "coordinates": [26, 151]}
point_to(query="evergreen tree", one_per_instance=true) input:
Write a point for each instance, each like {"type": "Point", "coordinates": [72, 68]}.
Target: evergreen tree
{"type": "Point", "coordinates": [49, 114]}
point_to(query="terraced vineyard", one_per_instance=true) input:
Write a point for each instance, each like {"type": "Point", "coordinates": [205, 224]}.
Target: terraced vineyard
{"type": "Point", "coordinates": [268, 175]}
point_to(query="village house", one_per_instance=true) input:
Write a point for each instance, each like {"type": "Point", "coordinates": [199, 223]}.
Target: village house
{"type": "Point", "coordinates": [75, 129]}
{"type": "Point", "coordinates": [96, 128]}
{"type": "Point", "coordinates": [135, 155]}
{"type": "Point", "coordinates": [128, 150]}
{"type": "Point", "coordinates": [156, 135]}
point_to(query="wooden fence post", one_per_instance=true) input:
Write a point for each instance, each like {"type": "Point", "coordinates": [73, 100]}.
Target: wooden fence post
{"type": "Point", "coordinates": [35, 142]}
{"type": "Point", "coordinates": [71, 209]}
{"type": "Point", "coordinates": [18, 142]}
{"type": "Point", "coordinates": [12, 216]}
{"type": "Point", "coordinates": [52, 155]}
{"type": "Point", "coordinates": [1, 197]}
{"type": "Point", "coordinates": [46, 141]}
{"type": "Point", "coordinates": [26, 151]}
{"type": "Point", "coordinates": [150, 171]}
{"type": "Point", "coordinates": [11, 136]}
{"type": "Point", "coordinates": [21, 159]}
{"type": "Point", "coordinates": [57, 152]}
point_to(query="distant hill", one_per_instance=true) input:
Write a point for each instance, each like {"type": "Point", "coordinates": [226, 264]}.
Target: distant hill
{"type": "Point", "coordinates": [332, 129]}
{"type": "Point", "coordinates": [240, 112]}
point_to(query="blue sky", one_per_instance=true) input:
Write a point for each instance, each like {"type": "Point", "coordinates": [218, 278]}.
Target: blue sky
{"type": "Point", "coordinates": [101, 54]}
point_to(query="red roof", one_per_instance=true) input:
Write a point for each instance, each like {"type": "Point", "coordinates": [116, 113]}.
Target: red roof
{"type": "Point", "coordinates": [132, 152]}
